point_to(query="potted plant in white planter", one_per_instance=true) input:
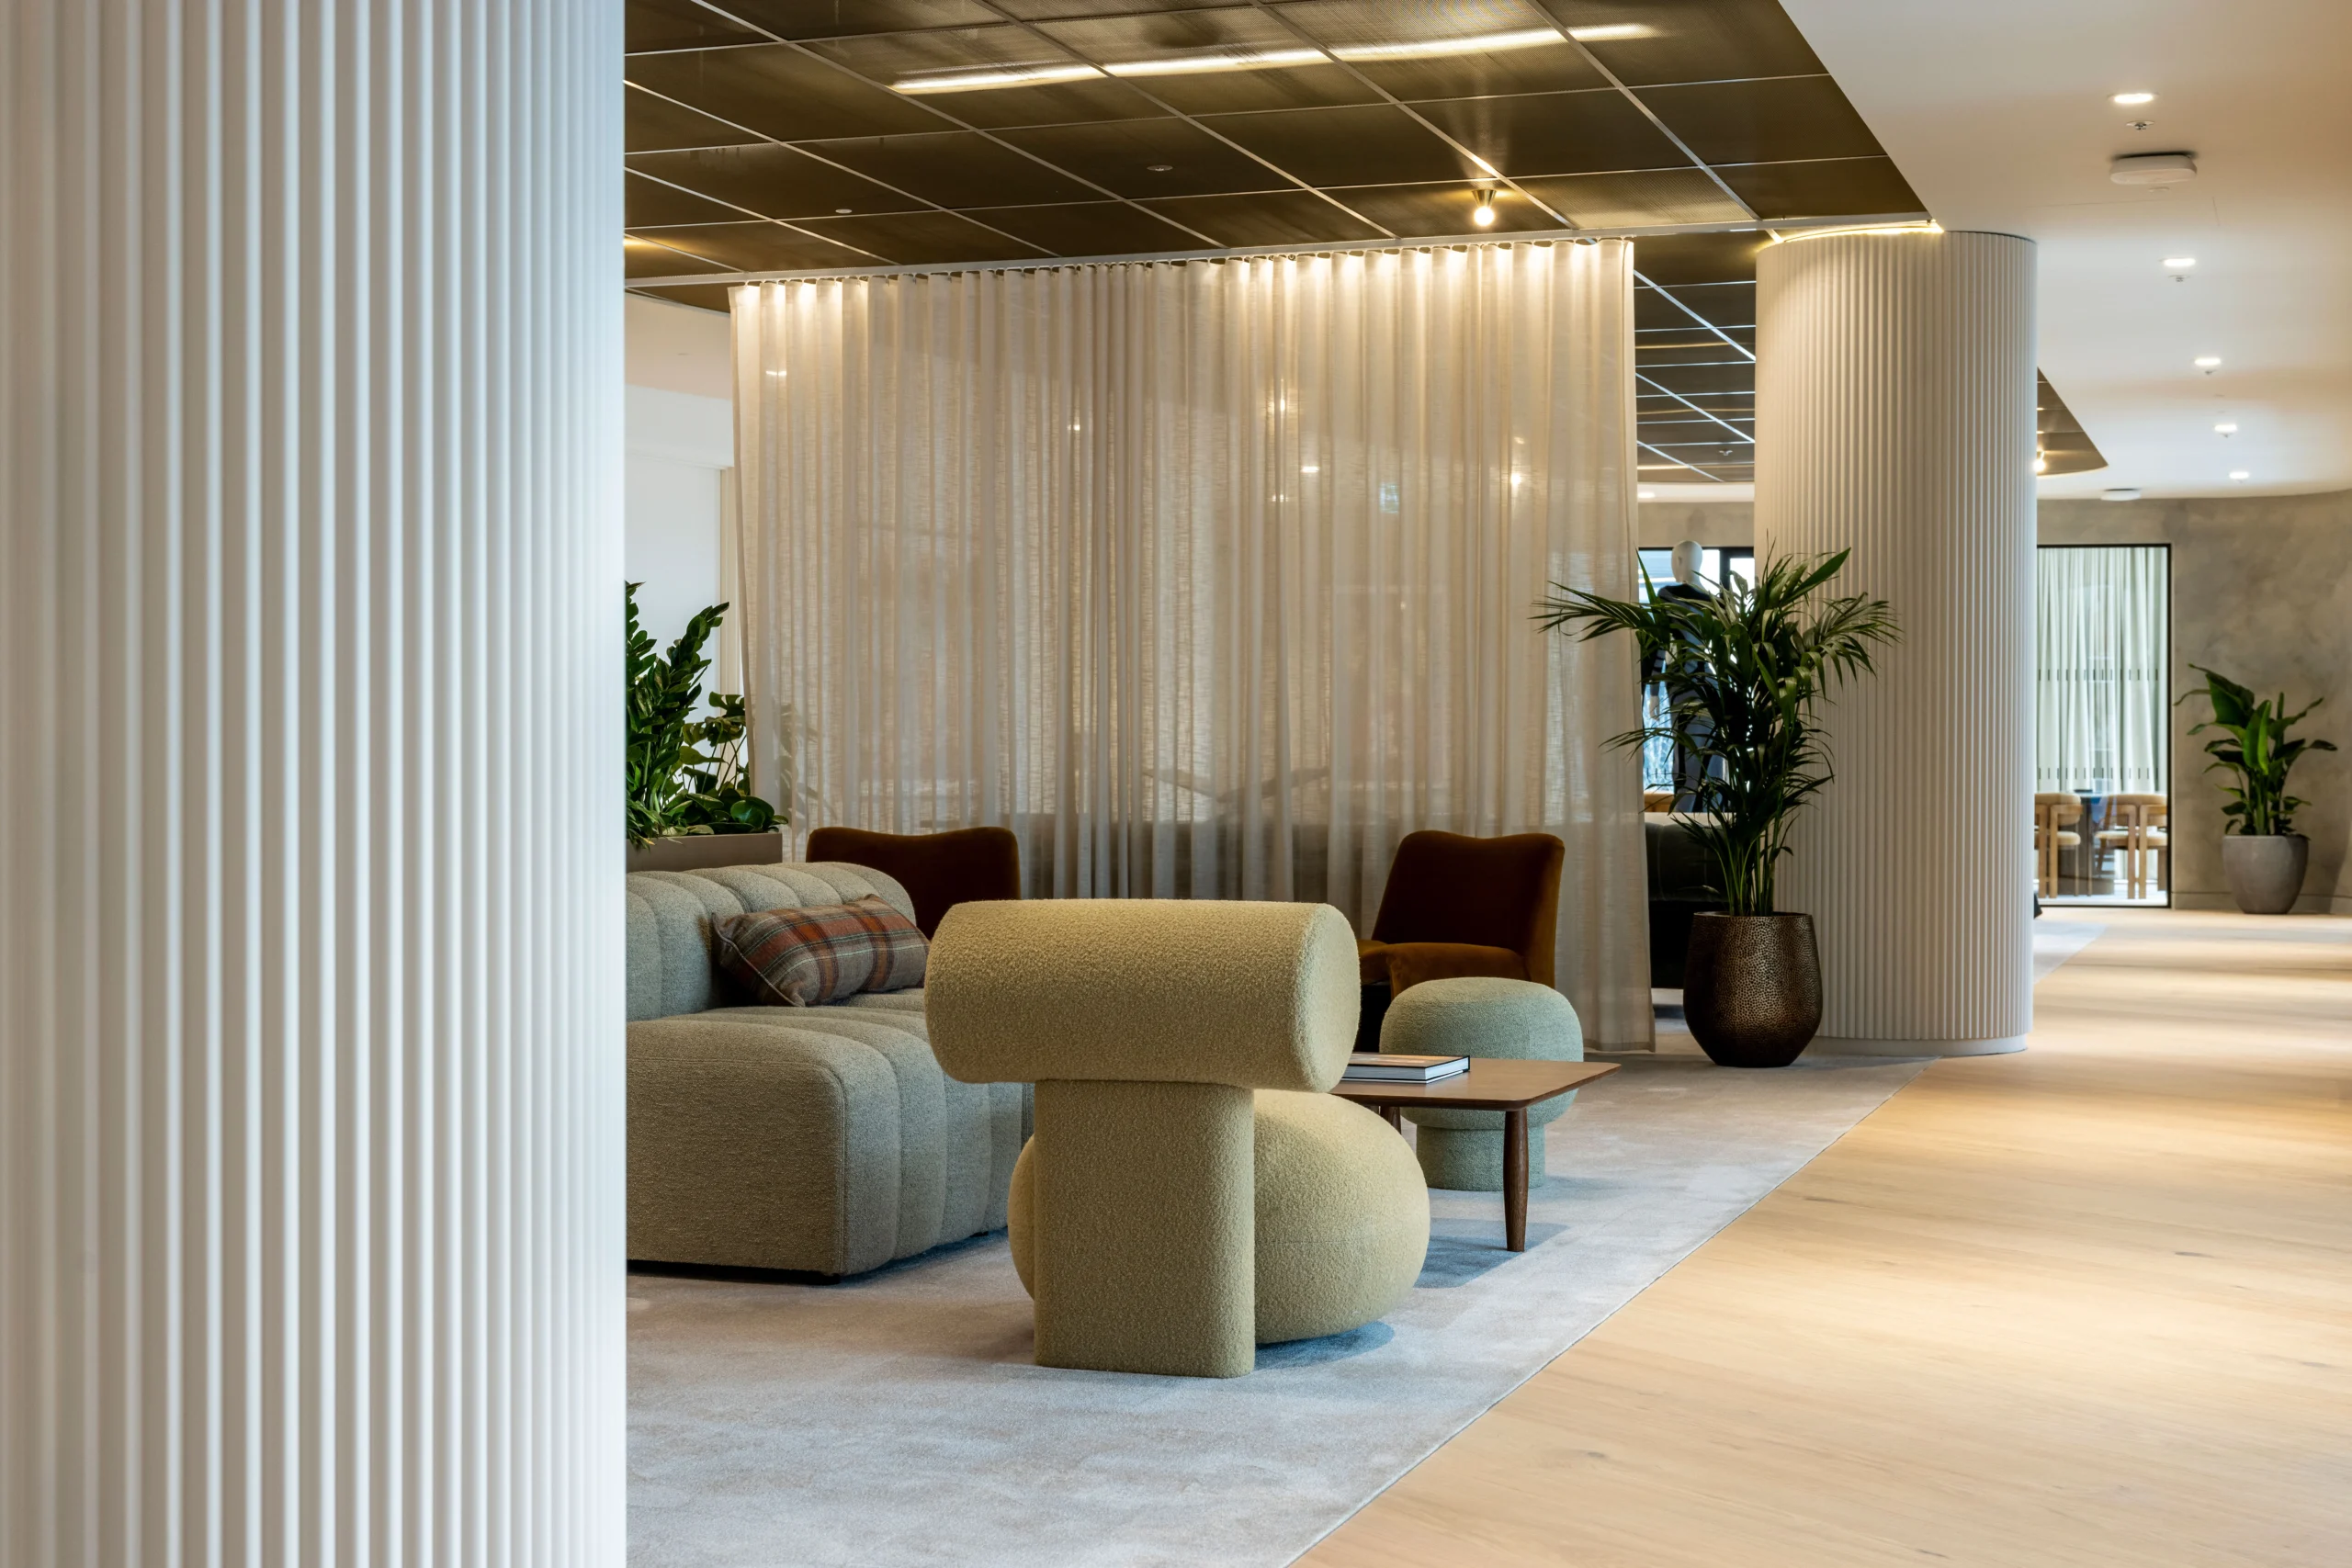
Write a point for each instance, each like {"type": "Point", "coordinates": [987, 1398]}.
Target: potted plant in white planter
{"type": "Point", "coordinates": [1744, 670]}
{"type": "Point", "coordinates": [2262, 855]}
{"type": "Point", "coordinates": [688, 805]}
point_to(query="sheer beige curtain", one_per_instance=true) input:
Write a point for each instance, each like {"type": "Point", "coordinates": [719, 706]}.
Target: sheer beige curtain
{"type": "Point", "coordinates": [1210, 579]}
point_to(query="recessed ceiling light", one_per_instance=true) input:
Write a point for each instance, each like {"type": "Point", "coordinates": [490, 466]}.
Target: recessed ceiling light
{"type": "Point", "coordinates": [2208, 361]}
{"type": "Point", "coordinates": [2225, 428]}
{"type": "Point", "coordinates": [2133, 98]}
{"type": "Point", "coordinates": [2120, 492]}
{"type": "Point", "coordinates": [1611, 32]}
{"type": "Point", "coordinates": [2240, 474]}
{"type": "Point", "coordinates": [2152, 168]}
{"type": "Point", "coordinates": [1646, 494]}
{"type": "Point", "coordinates": [1216, 60]}
{"type": "Point", "coordinates": [1159, 168]}
{"type": "Point", "coordinates": [841, 209]}
{"type": "Point", "coordinates": [2179, 263]}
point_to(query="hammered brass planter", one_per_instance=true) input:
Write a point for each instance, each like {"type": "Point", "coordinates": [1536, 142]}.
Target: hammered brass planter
{"type": "Point", "coordinates": [1751, 987]}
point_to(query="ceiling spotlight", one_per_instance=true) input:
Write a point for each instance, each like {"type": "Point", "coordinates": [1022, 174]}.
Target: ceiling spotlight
{"type": "Point", "coordinates": [2120, 492]}
{"type": "Point", "coordinates": [2130, 98]}
{"type": "Point", "coordinates": [2225, 428]}
{"type": "Point", "coordinates": [841, 209]}
{"type": "Point", "coordinates": [1485, 215]}
{"type": "Point", "coordinates": [1159, 168]}
{"type": "Point", "coordinates": [2208, 361]}
{"type": "Point", "coordinates": [2240, 475]}
{"type": "Point", "coordinates": [2179, 263]}
{"type": "Point", "coordinates": [2041, 463]}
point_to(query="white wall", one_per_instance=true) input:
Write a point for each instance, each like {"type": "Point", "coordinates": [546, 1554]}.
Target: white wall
{"type": "Point", "coordinates": [681, 445]}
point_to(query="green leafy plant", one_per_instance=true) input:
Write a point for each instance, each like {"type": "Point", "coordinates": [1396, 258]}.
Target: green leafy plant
{"type": "Point", "coordinates": [1743, 672]}
{"type": "Point", "coordinates": [685, 774]}
{"type": "Point", "coordinates": [2256, 748]}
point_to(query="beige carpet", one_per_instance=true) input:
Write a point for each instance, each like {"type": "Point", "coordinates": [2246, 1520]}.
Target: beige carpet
{"type": "Point", "coordinates": [898, 1419]}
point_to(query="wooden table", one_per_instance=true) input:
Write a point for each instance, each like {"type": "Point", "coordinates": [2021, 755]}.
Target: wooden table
{"type": "Point", "coordinates": [1493, 1083]}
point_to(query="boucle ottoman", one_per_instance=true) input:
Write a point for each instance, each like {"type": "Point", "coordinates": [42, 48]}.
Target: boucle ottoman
{"type": "Point", "coordinates": [1463, 1150]}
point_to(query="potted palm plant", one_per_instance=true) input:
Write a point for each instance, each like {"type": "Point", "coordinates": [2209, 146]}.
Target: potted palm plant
{"type": "Point", "coordinates": [2262, 855]}
{"type": "Point", "coordinates": [1744, 670]}
{"type": "Point", "coordinates": [688, 805]}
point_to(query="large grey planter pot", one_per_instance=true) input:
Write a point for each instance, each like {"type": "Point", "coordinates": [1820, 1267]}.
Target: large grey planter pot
{"type": "Point", "coordinates": [2266, 873]}
{"type": "Point", "coordinates": [1751, 987]}
{"type": "Point", "coordinates": [700, 851]}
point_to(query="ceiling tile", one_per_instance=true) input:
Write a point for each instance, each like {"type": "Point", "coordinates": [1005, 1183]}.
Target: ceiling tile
{"type": "Point", "coordinates": [1274, 217]}
{"type": "Point", "coordinates": [1692, 40]}
{"type": "Point", "coordinates": [917, 239]}
{"type": "Point", "coordinates": [829, 18]}
{"type": "Point", "coordinates": [1380, 39]}
{"type": "Point", "coordinates": [646, 258]}
{"type": "Point", "coordinates": [748, 247]}
{"type": "Point", "coordinates": [650, 122]}
{"type": "Point", "coordinates": [1828, 189]}
{"type": "Point", "coordinates": [1672, 259]}
{"type": "Point", "coordinates": [1646, 196]}
{"type": "Point", "coordinates": [903, 59]}
{"type": "Point", "coordinates": [1122, 157]}
{"type": "Point", "coordinates": [1691, 380]}
{"type": "Point", "coordinates": [701, 296]}
{"type": "Point", "coordinates": [955, 168]}
{"type": "Point", "coordinates": [1048, 10]}
{"type": "Point", "coordinates": [1764, 122]}
{"type": "Point", "coordinates": [645, 201]}
{"type": "Point", "coordinates": [1725, 304]}
{"type": "Point", "coordinates": [1091, 229]}
{"type": "Point", "coordinates": [1707, 350]}
{"type": "Point", "coordinates": [1557, 133]}
{"type": "Point", "coordinates": [1346, 146]}
{"type": "Point", "coordinates": [1422, 210]}
{"type": "Point", "coordinates": [773, 181]}
{"type": "Point", "coordinates": [681, 24]}
{"type": "Point", "coordinates": [780, 92]}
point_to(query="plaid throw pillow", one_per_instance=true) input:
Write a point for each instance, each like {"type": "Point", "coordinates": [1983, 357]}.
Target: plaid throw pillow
{"type": "Point", "coordinates": [822, 953]}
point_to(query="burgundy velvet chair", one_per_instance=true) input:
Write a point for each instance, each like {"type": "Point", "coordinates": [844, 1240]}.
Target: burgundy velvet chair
{"type": "Point", "coordinates": [1459, 906]}
{"type": "Point", "coordinates": [939, 871]}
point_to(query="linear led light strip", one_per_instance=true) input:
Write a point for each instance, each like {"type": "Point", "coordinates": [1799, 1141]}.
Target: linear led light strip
{"type": "Point", "coordinates": [1261, 59]}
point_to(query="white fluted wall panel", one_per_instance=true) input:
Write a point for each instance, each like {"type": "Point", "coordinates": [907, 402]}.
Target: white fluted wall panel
{"type": "Point", "coordinates": [1894, 417]}
{"type": "Point", "coordinates": [310, 1161]}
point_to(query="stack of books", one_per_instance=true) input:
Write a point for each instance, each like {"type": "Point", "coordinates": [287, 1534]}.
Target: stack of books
{"type": "Point", "coordinates": [1374, 1067]}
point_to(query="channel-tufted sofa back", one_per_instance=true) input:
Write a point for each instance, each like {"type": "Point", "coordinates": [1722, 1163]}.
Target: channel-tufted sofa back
{"type": "Point", "coordinates": [670, 912]}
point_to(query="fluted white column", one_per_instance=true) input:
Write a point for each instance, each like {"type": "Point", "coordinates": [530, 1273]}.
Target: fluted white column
{"type": "Point", "coordinates": [1895, 418]}
{"type": "Point", "coordinates": [310, 1207]}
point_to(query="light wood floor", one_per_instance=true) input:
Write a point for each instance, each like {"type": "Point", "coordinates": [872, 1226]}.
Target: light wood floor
{"type": "Point", "coordinates": [2089, 1305]}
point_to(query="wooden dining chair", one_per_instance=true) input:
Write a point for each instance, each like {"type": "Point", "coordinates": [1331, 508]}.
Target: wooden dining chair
{"type": "Point", "coordinates": [2054, 812]}
{"type": "Point", "coordinates": [2136, 831]}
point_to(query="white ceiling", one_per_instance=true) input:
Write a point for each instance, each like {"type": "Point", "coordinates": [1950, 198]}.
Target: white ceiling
{"type": "Point", "coordinates": [1998, 112]}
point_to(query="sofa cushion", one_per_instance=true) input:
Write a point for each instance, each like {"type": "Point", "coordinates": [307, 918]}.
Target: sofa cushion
{"type": "Point", "coordinates": [809, 956]}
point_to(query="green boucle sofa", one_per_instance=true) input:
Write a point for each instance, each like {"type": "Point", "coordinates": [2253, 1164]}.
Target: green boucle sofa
{"type": "Point", "coordinates": [820, 1140]}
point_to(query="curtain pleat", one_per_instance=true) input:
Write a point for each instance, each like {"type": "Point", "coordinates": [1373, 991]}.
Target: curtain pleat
{"type": "Point", "coordinates": [1209, 579]}
{"type": "Point", "coordinates": [2101, 613]}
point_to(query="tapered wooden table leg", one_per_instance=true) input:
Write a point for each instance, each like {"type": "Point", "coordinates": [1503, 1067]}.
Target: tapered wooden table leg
{"type": "Point", "coordinates": [1515, 1181]}
{"type": "Point", "coordinates": [1395, 1114]}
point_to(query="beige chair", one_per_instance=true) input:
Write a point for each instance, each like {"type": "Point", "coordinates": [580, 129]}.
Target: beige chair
{"type": "Point", "coordinates": [1191, 1190]}
{"type": "Point", "coordinates": [2137, 833]}
{"type": "Point", "coordinates": [2054, 814]}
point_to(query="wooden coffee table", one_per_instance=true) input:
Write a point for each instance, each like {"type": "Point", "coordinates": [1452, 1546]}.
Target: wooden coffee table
{"type": "Point", "coordinates": [1493, 1083]}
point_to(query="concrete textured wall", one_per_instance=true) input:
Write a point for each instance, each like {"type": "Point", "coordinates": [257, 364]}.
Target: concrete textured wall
{"type": "Point", "coordinates": [2262, 591]}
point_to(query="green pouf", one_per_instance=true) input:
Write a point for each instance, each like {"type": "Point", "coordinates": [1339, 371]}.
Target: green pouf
{"type": "Point", "coordinates": [1463, 1150]}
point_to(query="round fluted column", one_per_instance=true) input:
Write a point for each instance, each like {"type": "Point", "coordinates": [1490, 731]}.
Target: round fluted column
{"type": "Point", "coordinates": [1895, 418]}
{"type": "Point", "coordinates": [310, 1245]}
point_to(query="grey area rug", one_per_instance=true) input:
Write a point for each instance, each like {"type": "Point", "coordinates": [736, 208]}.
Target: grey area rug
{"type": "Point", "coordinates": [898, 1419]}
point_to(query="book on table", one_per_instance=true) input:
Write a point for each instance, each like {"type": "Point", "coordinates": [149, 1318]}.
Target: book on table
{"type": "Point", "coordinates": [1380, 1066]}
